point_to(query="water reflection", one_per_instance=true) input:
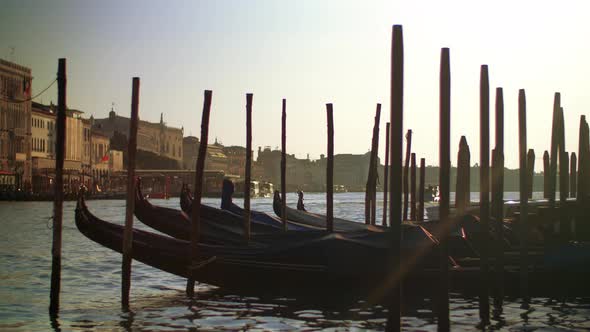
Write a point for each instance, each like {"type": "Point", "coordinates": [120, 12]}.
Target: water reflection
{"type": "Point", "coordinates": [90, 297]}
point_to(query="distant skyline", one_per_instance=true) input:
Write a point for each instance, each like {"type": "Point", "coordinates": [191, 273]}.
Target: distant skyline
{"type": "Point", "coordinates": [311, 53]}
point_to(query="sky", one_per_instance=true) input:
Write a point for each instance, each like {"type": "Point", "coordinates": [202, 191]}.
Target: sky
{"type": "Point", "coordinates": [311, 52]}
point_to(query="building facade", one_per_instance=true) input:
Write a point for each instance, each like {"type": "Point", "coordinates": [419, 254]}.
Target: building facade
{"type": "Point", "coordinates": [156, 138]}
{"type": "Point", "coordinates": [15, 121]}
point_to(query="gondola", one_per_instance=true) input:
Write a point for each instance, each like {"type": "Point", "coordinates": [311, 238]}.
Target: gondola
{"type": "Point", "coordinates": [318, 220]}
{"type": "Point", "coordinates": [227, 193]}
{"type": "Point", "coordinates": [216, 226]}
{"type": "Point", "coordinates": [325, 262]}
{"type": "Point", "coordinates": [331, 263]}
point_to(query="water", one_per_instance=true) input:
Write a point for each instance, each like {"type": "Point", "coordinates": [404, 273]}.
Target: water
{"type": "Point", "coordinates": [90, 296]}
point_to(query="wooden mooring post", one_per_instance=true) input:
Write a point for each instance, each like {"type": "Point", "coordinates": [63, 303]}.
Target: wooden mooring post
{"type": "Point", "coordinates": [584, 162]}
{"type": "Point", "coordinates": [60, 143]}
{"type": "Point", "coordinates": [462, 188]}
{"type": "Point", "coordinates": [443, 316]}
{"type": "Point", "coordinates": [395, 180]}
{"type": "Point", "coordinates": [330, 171]}
{"type": "Point", "coordinates": [484, 192]}
{"type": "Point", "coordinates": [498, 197]}
{"type": "Point", "coordinates": [530, 164]}
{"type": "Point", "coordinates": [420, 216]}
{"type": "Point", "coordinates": [406, 176]}
{"type": "Point", "coordinates": [248, 174]}
{"type": "Point", "coordinates": [130, 206]}
{"type": "Point", "coordinates": [546, 174]}
{"type": "Point", "coordinates": [284, 165]}
{"type": "Point", "coordinates": [386, 174]}
{"type": "Point", "coordinates": [553, 152]}
{"type": "Point", "coordinates": [370, 189]}
{"type": "Point", "coordinates": [413, 197]}
{"type": "Point", "coordinates": [198, 190]}
{"type": "Point", "coordinates": [523, 218]}
{"type": "Point", "coordinates": [573, 174]}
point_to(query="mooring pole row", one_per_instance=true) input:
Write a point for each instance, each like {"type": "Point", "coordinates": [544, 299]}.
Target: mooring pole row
{"type": "Point", "coordinates": [198, 190]}
{"type": "Point", "coordinates": [130, 206]}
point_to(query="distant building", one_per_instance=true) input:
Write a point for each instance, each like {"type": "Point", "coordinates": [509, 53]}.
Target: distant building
{"type": "Point", "coordinates": [350, 170]}
{"type": "Point", "coordinates": [15, 121]}
{"type": "Point", "coordinates": [100, 157]}
{"type": "Point", "coordinates": [42, 132]}
{"type": "Point", "coordinates": [190, 148]}
{"type": "Point", "coordinates": [236, 160]}
{"type": "Point", "coordinates": [156, 138]}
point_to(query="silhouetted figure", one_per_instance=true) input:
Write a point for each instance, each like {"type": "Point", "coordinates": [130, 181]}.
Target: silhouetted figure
{"type": "Point", "coordinates": [300, 205]}
{"type": "Point", "coordinates": [227, 191]}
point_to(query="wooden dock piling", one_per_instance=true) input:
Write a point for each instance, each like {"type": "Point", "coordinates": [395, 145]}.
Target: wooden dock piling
{"type": "Point", "coordinates": [484, 192]}
{"type": "Point", "coordinates": [130, 206]}
{"type": "Point", "coordinates": [406, 169]}
{"type": "Point", "coordinates": [284, 165]}
{"type": "Point", "coordinates": [413, 186]}
{"type": "Point", "coordinates": [60, 143]}
{"type": "Point", "coordinates": [420, 216]}
{"type": "Point", "coordinates": [386, 175]}
{"type": "Point", "coordinates": [530, 164]}
{"type": "Point", "coordinates": [554, 146]}
{"type": "Point", "coordinates": [444, 185]}
{"type": "Point", "coordinates": [198, 189]}
{"type": "Point", "coordinates": [523, 221]}
{"type": "Point", "coordinates": [498, 196]}
{"type": "Point", "coordinates": [462, 189]}
{"type": "Point", "coordinates": [573, 174]}
{"type": "Point", "coordinates": [330, 171]}
{"type": "Point", "coordinates": [546, 174]}
{"type": "Point", "coordinates": [395, 180]}
{"type": "Point", "coordinates": [371, 186]}
{"type": "Point", "coordinates": [584, 161]}
{"type": "Point", "coordinates": [248, 174]}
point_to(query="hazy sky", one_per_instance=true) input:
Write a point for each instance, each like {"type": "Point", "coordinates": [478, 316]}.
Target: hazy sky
{"type": "Point", "coordinates": [310, 52]}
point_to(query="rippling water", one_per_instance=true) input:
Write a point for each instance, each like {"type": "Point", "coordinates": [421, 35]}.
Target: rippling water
{"type": "Point", "coordinates": [90, 296]}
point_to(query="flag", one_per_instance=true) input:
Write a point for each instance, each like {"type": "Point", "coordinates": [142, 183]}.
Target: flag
{"type": "Point", "coordinates": [104, 158]}
{"type": "Point", "coordinates": [26, 87]}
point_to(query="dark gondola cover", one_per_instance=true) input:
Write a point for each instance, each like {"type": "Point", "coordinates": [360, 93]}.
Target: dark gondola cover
{"type": "Point", "coordinates": [334, 263]}
{"type": "Point", "coordinates": [311, 265]}
{"type": "Point", "coordinates": [217, 226]}
{"type": "Point", "coordinates": [318, 220]}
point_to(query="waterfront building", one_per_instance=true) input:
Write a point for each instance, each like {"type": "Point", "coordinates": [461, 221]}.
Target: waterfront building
{"type": "Point", "coordinates": [15, 122]}
{"type": "Point", "coordinates": [156, 138]}
{"type": "Point", "coordinates": [100, 157]}
{"type": "Point", "coordinates": [42, 132]}
{"type": "Point", "coordinates": [236, 160]}
{"type": "Point", "coordinates": [190, 152]}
